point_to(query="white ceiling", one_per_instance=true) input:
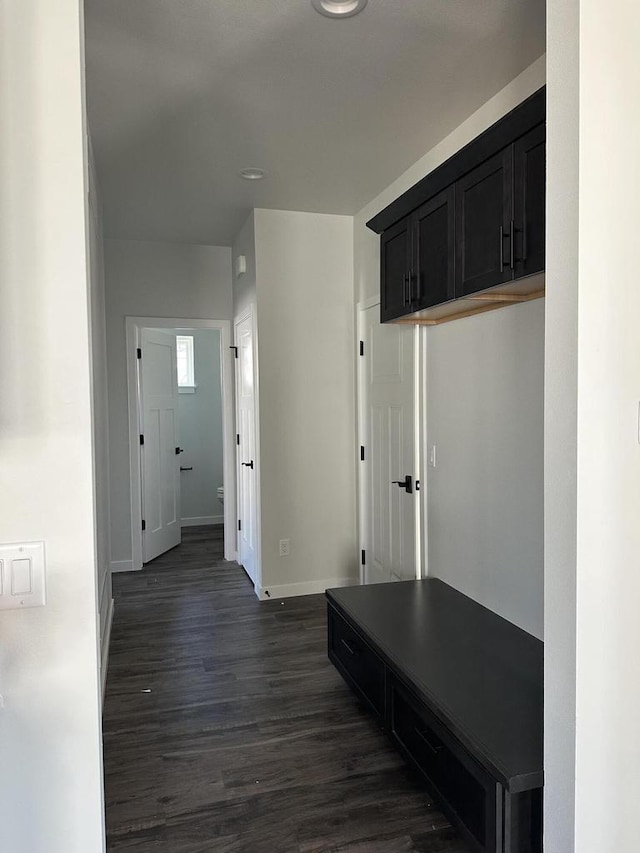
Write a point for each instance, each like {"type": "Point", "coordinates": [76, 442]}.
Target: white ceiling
{"type": "Point", "coordinates": [184, 93]}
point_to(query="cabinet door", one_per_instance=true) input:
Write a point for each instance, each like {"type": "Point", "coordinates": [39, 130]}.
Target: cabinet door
{"type": "Point", "coordinates": [434, 241]}
{"type": "Point", "coordinates": [395, 263]}
{"type": "Point", "coordinates": [529, 155]}
{"type": "Point", "coordinates": [483, 225]}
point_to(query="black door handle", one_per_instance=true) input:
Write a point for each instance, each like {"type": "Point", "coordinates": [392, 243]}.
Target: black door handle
{"type": "Point", "coordinates": [404, 484]}
{"type": "Point", "coordinates": [248, 464]}
{"type": "Point", "coordinates": [179, 450]}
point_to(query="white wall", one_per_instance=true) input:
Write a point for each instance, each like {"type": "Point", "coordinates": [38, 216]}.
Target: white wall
{"type": "Point", "coordinates": [306, 344]}
{"type": "Point", "coordinates": [484, 403]}
{"type": "Point", "coordinates": [244, 288]}
{"type": "Point", "coordinates": [200, 425]}
{"type": "Point", "coordinates": [560, 434]}
{"type": "Point", "coordinates": [51, 780]}
{"type": "Point", "coordinates": [593, 356]}
{"type": "Point", "coordinates": [151, 280]}
{"type": "Point", "coordinates": [100, 412]}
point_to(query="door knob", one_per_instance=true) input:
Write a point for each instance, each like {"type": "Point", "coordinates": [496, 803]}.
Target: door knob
{"type": "Point", "coordinates": [404, 484]}
{"type": "Point", "coordinates": [179, 450]}
{"type": "Point", "coordinates": [248, 464]}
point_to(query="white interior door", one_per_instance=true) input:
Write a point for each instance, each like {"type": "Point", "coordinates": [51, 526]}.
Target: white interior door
{"type": "Point", "coordinates": [160, 459]}
{"type": "Point", "coordinates": [247, 492]}
{"type": "Point", "coordinates": [387, 428]}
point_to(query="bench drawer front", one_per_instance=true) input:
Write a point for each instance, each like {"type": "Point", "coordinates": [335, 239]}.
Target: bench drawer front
{"type": "Point", "coordinates": [464, 789]}
{"type": "Point", "coordinates": [356, 661]}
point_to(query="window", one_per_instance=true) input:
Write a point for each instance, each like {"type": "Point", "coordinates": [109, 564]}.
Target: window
{"type": "Point", "coordinates": [186, 370]}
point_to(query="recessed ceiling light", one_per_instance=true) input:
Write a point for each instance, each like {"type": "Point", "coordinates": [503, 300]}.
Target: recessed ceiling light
{"type": "Point", "coordinates": [339, 8]}
{"type": "Point", "coordinates": [252, 174]}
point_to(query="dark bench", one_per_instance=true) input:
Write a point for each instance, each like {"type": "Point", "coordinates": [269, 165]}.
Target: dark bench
{"type": "Point", "coordinates": [459, 690]}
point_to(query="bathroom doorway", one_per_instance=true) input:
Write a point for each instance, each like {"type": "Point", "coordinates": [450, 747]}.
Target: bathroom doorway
{"type": "Point", "coordinates": [181, 433]}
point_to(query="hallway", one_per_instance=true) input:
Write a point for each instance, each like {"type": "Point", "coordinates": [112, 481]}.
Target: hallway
{"type": "Point", "coordinates": [227, 729]}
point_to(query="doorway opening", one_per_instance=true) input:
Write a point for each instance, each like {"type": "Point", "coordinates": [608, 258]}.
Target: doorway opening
{"type": "Point", "coordinates": [181, 436]}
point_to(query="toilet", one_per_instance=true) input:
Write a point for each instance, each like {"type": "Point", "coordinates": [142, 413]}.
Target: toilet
{"type": "Point", "coordinates": [221, 494]}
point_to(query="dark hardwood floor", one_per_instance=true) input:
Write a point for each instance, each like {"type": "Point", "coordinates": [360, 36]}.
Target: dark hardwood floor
{"type": "Point", "coordinates": [226, 728]}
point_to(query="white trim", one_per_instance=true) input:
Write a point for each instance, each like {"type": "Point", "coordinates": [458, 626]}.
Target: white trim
{"type": "Point", "coordinates": [196, 521]}
{"type": "Point", "coordinates": [417, 442]}
{"type": "Point", "coordinates": [104, 648]}
{"type": "Point", "coordinates": [363, 467]}
{"type": "Point", "coordinates": [291, 590]}
{"type": "Point", "coordinates": [424, 488]}
{"type": "Point", "coordinates": [123, 566]}
{"type": "Point", "coordinates": [134, 326]}
{"type": "Point", "coordinates": [250, 311]}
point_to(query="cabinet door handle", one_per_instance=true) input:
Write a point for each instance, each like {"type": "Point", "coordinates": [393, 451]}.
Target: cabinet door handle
{"type": "Point", "coordinates": [425, 739]}
{"type": "Point", "coordinates": [524, 241]}
{"type": "Point", "coordinates": [406, 296]}
{"type": "Point", "coordinates": [512, 243]}
{"type": "Point", "coordinates": [416, 280]}
{"type": "Point", "coordinates": [501, 248]}
{"type": "Point", "coordinates": [347, 647]}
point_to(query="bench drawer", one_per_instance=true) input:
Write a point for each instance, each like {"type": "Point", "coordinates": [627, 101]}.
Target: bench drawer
{"type": "Point", "coordinates": [356, 661]}
{"type": "Point", "coordinates": [464, 788]}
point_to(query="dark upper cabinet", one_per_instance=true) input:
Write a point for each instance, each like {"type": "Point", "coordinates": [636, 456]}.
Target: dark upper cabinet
{"type": "Point", "coordinates": [529, 201]}
{"type": "Point", "coordinates": [484, 208]}
{"type": "Point", "coordinates": [433, 230]}
{"type": "Point", "coordinates": [395, 266]}
{"type": "Point", "coordinates": [474, 223]}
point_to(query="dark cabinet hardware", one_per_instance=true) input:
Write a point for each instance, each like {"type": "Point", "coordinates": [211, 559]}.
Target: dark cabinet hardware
{"type": "Point", "coordinates": [404, 484]}
{"type": "Point", "coordinates": [424, 737]}
{"type": "Point", "coordinates": [347, 647]}
{"type": "Point", "coordinates": [235, 351]}
{"type": "Point", "coordinates": [179, 450]}
{"type": "Point", "coordinates": [512, 232]}
{"type": "Point", "coordinates": [190, 468]}
{"type": "Point", "coordinates": [248, 464]}
{"type": "Point", "coordinates": [501, 248]}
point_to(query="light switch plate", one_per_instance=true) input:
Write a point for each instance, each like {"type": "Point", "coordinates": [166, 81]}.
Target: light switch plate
{"type": "Point", "coordinates": [22, 566]}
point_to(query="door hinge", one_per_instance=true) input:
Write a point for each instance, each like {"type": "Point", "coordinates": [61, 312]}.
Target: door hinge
{"type": "Point", "coordinates": [363, 557]}
{"type": "Point", "coordinates": [361, 347]}
{"type": "Point", "coordinates": [139, 352]}
{"type": "Point", "coordinates": [239, 525]}
{"type": "Point", "coordinates": [362, 452]}
{"type": "Point", "coordinates": [238, 439]}
{"type": "Point", "coordinates": [144, 524]}
{"type": "Point", "coordinates": [235, 351]}
{"type": "Point", "coordinates": [141, 440]}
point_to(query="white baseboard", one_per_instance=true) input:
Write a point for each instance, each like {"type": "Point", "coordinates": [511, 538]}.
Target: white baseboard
{"type": "Point", "coordinates": [122, 566]}
{"type": "Point", "coordinates": [104, 650]}
{"type": "Point", "coordinates": [202, 520]}
{"type": "Point", "coordinates": [290, 590]}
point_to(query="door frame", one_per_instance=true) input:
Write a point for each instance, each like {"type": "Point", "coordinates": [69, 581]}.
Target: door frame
{"type": "Point", "coordinates": [134, 326]}
{"type": "Point", "coordinates": [419, 433]}
{"type": "Point", "coordinates": [250, 312]}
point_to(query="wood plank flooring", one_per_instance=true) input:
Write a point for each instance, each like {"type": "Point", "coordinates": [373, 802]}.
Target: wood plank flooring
{"type": "Point", "coordinates": [226, 729]}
